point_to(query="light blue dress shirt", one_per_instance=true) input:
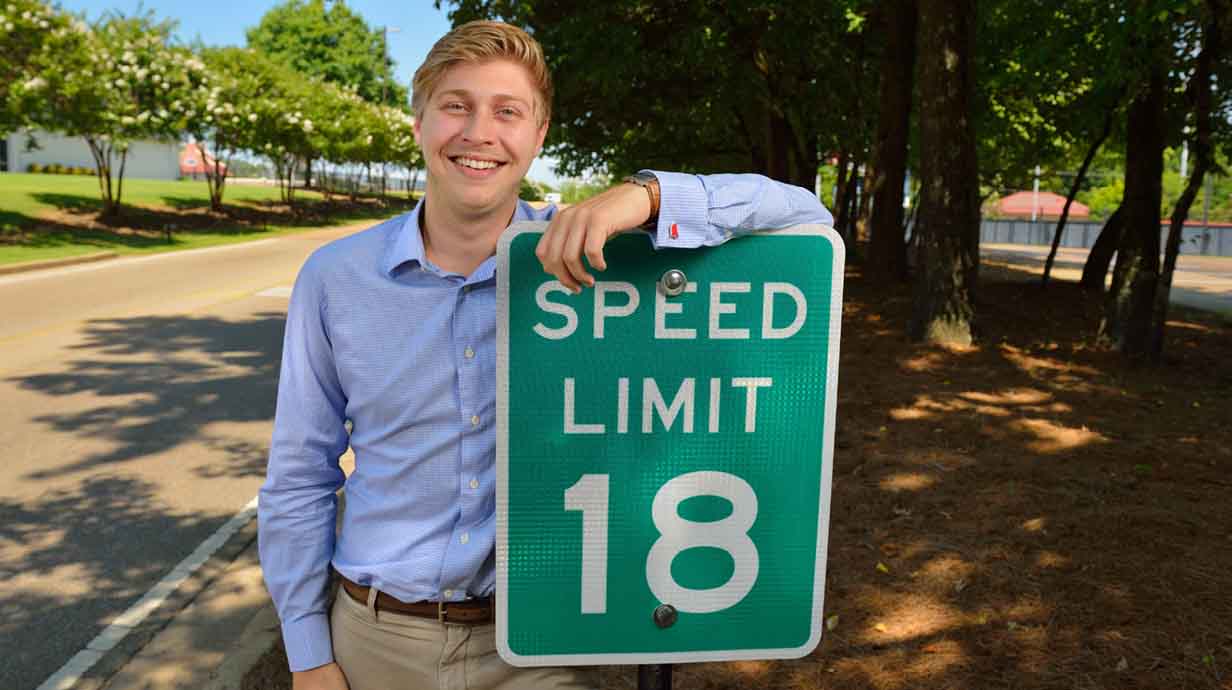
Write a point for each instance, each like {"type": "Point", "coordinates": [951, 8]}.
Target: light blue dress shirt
{"type": "Point", "coordinates": [406, 351]}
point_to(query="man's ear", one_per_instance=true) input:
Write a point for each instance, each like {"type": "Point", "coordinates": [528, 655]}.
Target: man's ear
{"type": "Point", "coordinates": [415, 131]}
{"type": "Point", "coordinates": [543, 133]}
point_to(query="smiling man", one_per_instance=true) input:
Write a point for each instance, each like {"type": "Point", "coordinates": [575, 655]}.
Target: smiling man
{"type": "Point", "coordinates": [394, 330]}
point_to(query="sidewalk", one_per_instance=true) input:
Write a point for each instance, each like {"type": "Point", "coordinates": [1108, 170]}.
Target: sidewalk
{"type": "Point", "coordinates": [214, 642]}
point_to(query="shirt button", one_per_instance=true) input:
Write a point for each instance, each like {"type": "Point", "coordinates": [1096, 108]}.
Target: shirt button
{"type": "Point", "coordinates": [474, 483]}
{"type": "Point", "coordinates": [448, 593]}
{"type": "Point", "coordinates": [474, 420]}
{"type": "Point", "coordinates": [466, 537]}
{"type": "Point", "coordinates": [470, 353]}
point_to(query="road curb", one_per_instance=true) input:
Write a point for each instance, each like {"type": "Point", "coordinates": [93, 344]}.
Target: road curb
{"type": "Point", "coordinates": [26, 266]}
{"type": "Point", "coordinates": [261, 635]}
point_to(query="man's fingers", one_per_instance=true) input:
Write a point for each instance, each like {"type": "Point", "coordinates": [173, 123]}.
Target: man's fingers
{"type": "Point", "coordinates": [572, 253]}
{"type": "Point", "coordinates": [594, 250]}
{"type": "Point", "coordinates": [550, 251]}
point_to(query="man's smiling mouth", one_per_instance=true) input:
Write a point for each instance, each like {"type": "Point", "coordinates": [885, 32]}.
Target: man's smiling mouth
{"type": "Point", "coordinates": [475, 163]}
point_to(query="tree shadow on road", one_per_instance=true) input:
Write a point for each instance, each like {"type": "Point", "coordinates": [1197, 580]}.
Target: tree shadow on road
{"type": "Point", "coordinates": [149, 384]}
{"type": "Point", "coordinates": [73, 559]}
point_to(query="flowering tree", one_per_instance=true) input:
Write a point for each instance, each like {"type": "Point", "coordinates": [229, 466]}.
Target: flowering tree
{"type": "Point", "coordinates": [229, 109]}
{"type": "Point", "coordinates": [120, 82]}
{"type": "Point", "coordinates": [33, 36]}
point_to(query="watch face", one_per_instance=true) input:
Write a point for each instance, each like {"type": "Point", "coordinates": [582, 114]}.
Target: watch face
{"type": "Point", "coordinates": [641, 178]}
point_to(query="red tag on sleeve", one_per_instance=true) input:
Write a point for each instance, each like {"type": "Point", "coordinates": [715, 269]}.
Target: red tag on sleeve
{"type": "Point", "coordinates": [675, 231]}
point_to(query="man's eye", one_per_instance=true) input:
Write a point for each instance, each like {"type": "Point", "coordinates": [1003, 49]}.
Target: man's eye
{"type": "Point", "coordinates": [508, 112]}
{"type": "Point", "coordinates": [455, 106]}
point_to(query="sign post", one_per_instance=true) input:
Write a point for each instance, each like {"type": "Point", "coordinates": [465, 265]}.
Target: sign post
{"type": "Point", "coordinates": [664, 447]}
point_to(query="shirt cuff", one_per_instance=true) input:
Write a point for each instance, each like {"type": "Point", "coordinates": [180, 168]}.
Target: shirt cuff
{"type": "Point", "coordinates": [308, 642]}
{"type": "Point", "coordinates": [684, 211]}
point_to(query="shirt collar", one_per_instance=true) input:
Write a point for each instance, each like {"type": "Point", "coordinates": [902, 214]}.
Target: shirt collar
{"type": "Point", "coordinates": [408, 243]}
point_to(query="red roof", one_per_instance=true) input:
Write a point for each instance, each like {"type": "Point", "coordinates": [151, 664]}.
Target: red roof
{"type": "Point", "coordinates": [1048, 205]}
{"type": "Point", "coordinates": [192, 161]}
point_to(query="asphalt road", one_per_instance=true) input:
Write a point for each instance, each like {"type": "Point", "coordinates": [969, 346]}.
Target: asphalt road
{"type": "Point", "coordinates": [137, 397]}
{"type": "Point", "coordinates": [1203, 282]}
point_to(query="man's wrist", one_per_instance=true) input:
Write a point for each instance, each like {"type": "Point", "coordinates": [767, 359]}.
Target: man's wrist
{"type": "Point", "coordinates": [650, 183]}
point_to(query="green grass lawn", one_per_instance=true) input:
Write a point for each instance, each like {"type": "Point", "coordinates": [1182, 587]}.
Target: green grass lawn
{"type": "Point", "coordinates": [54, 216]}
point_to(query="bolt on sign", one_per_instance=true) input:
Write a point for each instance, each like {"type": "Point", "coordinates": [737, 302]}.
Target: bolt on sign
{"type": "Point", "coordinates": [664, 446]}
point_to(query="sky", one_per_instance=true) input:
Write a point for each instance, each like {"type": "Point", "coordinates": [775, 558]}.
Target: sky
{"type": "Point", "coordinates": [418, 25]}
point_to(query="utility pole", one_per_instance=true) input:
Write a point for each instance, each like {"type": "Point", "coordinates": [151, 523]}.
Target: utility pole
{"type": "Point", "coordinates": [385, 32]}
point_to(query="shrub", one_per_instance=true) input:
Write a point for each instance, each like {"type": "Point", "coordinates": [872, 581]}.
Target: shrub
{"type": "Point", "coordinates": [34, 168]}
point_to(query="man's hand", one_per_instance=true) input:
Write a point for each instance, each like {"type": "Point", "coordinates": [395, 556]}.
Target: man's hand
{"type": "Point", "coordinates": [583, 229]}
{"type": "Point", "coordinates": [327, 677]}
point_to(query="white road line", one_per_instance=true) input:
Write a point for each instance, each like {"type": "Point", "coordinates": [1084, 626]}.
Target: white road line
{"type": "Point", "coordinates": [126, 261]}
{"type": "Point", "coordinates": [282, 291]}
{"type": "Point", "coordinates": [71, 672]}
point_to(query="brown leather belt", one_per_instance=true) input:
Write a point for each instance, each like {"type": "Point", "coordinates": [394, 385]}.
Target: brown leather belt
{"type": "Point", "coordinates": [470, 612]}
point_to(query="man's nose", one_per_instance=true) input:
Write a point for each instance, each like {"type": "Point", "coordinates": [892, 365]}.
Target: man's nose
{"type": "Point", "coordinates": [478, 129]}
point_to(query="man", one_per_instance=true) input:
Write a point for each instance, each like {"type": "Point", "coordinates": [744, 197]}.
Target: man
{"type": "Point", "coordinates": [393, 329]}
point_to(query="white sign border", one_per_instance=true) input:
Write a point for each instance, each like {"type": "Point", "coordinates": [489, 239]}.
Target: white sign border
{"type": "Point", "coordinates": [502, 476]}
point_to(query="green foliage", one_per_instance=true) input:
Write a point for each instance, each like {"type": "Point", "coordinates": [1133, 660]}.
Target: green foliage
{"type": "Point", "coordinates": [700, 86]}
{"type": "Point", "coordinates": [32, 35]}
{"type": "Point", "coordinates": [529, 191]}
{"type": "Point", "coordinates": [331, 42]}
{"type": "Point", "coordinates": [575, 191]}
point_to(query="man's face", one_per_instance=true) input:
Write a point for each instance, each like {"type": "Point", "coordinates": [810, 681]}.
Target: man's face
{"type": "Point", "coordinates": [479, 132]}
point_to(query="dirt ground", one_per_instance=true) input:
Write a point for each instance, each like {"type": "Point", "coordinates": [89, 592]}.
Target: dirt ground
{"type": "Point", "coordinates": [1030, 512]}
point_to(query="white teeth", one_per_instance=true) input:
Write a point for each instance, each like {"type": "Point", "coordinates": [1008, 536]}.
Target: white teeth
{"type": "Point", "coordinates": [476, 164]}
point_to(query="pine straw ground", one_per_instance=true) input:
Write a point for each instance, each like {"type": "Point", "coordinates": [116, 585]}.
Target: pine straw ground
{"type": "Point", "coordinates": [1045, 516]}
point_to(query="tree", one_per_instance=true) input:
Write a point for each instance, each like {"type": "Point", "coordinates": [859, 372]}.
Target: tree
{"type": "Point", "coordinates": [227, 111]}
{"type": "Point", "coordinates": [32, 34]}
{"type": "Point", "coordinates": [888, 249]}
{"type": "Point", "coordinates": [949, 215]}
{"type": "Point", "coordinates": [116, 83]}
{"type": "Point", "coordinates": [1127, 311]}
{"type": "Point", "coordinates": [333, 43]}
{"type": "Point", "coordinates": [1201, 95]}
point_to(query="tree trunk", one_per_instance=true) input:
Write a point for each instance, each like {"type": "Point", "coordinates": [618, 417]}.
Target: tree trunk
{"type": "Point", "coordinates": [1073, 192]}
{"type": "Point", "coordinates": [1127, 309]}
{"type": "Point", "coordinates": [308, 173]}
{"type": "Point", "coordinates": [1095, 271]}
{"type": "Point", "coordinates": [887, 247]}
{"type": "Point", "coordinates": [1201, 90]}
{"type": "Point", "coordinates": [860, 227]}
{"type": "Point", "coordinates": [949, 216]}
{"type": "Point", "coordinates": [851, 198]}
{"type": "Point", "coordinates": [840, 188]}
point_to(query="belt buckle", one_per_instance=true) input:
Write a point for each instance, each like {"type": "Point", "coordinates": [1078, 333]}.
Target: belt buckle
{"type": "Point", "coordinates": [440, 612]}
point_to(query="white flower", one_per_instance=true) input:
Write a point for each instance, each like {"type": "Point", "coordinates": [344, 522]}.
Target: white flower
{"type": "Point", "coordinates": [120, 83]}
{"type": "Point", "coordinates": [141, 73]}
{"type": "Point", "coordinates": [143, 116]}
{"type": "Point", "coordinates": [128, 120]}
{"type": "Point", "coordinates": [128, 56]}
{"type": "Point", "coordinates": [307, 126]}
{"type": "Point", "coordinates": [252, 117]}
{"type": "Point", "coordinates": [35, 84]}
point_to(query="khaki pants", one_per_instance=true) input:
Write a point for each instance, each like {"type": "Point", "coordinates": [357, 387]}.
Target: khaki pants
{"type": "Point", "coordinates": [390, 651]}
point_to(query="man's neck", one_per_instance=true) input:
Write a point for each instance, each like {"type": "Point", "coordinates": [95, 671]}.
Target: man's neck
{"type": "Point", "coordinates": [458, 242]}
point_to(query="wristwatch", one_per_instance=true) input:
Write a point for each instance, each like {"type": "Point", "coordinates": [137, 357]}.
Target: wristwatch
{"type": "Point", "coordinates": [651, 184]}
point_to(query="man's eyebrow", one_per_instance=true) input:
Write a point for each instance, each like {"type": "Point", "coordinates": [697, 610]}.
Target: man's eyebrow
{"type": "Point", "coordinates": [499, 97]}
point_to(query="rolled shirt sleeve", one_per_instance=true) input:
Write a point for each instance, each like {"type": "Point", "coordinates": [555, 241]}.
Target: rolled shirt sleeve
{"type": "Point", "coordinates": [707, 210]}
{"type": "Point", "coordinates": [297, 506]}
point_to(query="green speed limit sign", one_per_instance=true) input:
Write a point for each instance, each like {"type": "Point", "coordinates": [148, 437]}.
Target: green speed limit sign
{"type": "Point", "coordinates": [664, 446]}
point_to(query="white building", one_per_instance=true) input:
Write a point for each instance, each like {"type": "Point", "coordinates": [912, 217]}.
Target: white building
{"type": "Point", "coordinates": [154, 160]}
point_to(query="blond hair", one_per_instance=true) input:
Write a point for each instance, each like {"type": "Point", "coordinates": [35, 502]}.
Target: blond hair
{"type": "Point", "coordinates": [480, 41]}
